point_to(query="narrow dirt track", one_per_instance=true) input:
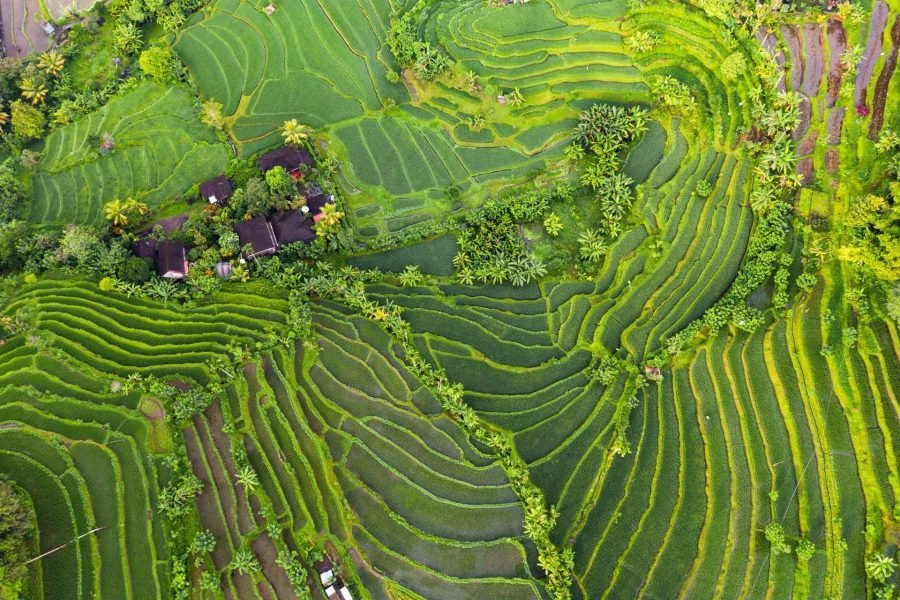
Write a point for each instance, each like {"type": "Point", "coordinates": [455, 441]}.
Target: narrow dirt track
{"type": "Point", "coordinates": [792, 40]}
{"type": "Point", "coordinates": [872, 52]}
{"type": "Point", "coordinates": [813, 59]}
{"type": "Point", "coordinates": [884, 80]}
{"type": "Point", "coordinates": [837, 43]}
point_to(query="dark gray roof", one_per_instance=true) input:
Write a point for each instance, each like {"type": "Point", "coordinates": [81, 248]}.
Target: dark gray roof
{"type": "Point", "coordinates": [171, 258]}
{"type": "Point", "coordinates": [218, 187]}
{"type": "Point", "coordinates": [287, 157]}
{"type": "Point", "coordinates": [291, 227]}
{"type": "Point", "coordinates": [145, 248]}
{"type": "Point", "coordinates": [257, 232]}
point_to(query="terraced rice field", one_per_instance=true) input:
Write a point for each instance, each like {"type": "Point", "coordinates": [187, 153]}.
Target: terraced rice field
{"type": "Point", "coordinates": [87, 454]}
{"type": "Point", "coordinates": [160, 150]}
{"type": "Point", "coordinates": [796, 423]}
{"type": "Point", "coordinates": [333, 56]}
{"type": "Point", "coordinates": [744, 416]}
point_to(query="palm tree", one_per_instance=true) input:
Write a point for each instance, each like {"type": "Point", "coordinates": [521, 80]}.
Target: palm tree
{"type": "Point", "coordinates": [34, 91]}
{"type": "Point", "coordinates": [594, 175]}
{"type": "Point", "coordinates": [573, 152]}
{"type": "Point", "coordinates": [850, 58]}
{"type": "Point", "coordinates": [244, 562]}
{"type": "Point", "coordinates": [592, 245]}
{"type": "Point", "coordinates": [133, 206]}
{"type": "Point", "coordinates": [880, 567]}
{"type": "Point", "coordinates": [211, 114]}
{"type": "Point", "coordinates": [116, 213]}
{"type": "Point", "coordinates": [294, 132]}
{"type": "Point", "coordinates": [515, 98]}
{"type": "Point", "coordinates": [51, 62]}
{"type": "Point", "coordinates": [127, 38]}
{"type": "Point", "coordinates": [247, 478]}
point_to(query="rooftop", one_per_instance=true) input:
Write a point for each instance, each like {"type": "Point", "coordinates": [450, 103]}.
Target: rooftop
{"type": "Point", "coordinates": [257, 232]}
{"type": "Point", "coordinates": [171, 259]}
{"type": "Point", "coordinates": [288, 158]}
{"type": "Point", "coordinates": [216, 189]}
{"type": "Point", "coordinates": [291, 227]}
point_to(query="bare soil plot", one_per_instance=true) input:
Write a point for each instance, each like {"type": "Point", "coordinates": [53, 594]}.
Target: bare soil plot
{"type": "Point", "coordinates": [884, 80]}
{"type": "Point", "coordinates": [871, 54]}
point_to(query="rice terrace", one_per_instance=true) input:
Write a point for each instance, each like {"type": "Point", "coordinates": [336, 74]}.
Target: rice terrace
{"type": "Point", "coordinates": [449, 299]}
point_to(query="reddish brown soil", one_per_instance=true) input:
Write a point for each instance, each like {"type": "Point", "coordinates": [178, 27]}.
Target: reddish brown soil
{"type": "Point", "coordinates": [207, 503]}
{"type": "Point", "coordinates": [813, 64]}
{"type": "Point", "coordinates": [808, 144]}
{"type": "Point", "coordinates": [223, 446]}
{"type": "Point", "coordinates": [835, 123]}
{"type": "Point", "coordinates": [806, 170]}
{"type": "Point", "coordinates": [884, 80]}
{"type": "Point", "coordinates": [793, 44]}
{"type": "Point", "coordinates": [243, 584]}
{"type": "Point", "coordinates": [267, 553]}
{"type": "Point", "coordinates": [872, 52]}
{"type": "Point", "coordinates": [832, 161]}
{"type": "Point", "coordinates": [837, 43]}
{"type": "Point", "coordinates": [803, 126]}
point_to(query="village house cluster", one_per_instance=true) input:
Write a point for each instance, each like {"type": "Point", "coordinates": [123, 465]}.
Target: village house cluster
{"type": "Point", "coordinates": [259, 236]}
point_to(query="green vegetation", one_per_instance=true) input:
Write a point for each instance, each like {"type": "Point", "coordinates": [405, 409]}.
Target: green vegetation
{"type": "Point", "coordinates": [591, 300]}
{"type": "Point", "coordinates": [158, 150]}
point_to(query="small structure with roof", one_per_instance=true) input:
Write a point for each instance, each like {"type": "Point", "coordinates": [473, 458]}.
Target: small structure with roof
{"type": "Point", "coordinates": [171, 259]}
{"type": "Point", "coordinates": [291, 227]}
{"type": "Point", "coordinates": [216, 190]}
{"type": "Point", "coordinates": [316, 200]}
{"type": "Point", "coordinates": [289, 158]}
{"type": "Point", "coordinates": [338, 591]}
{"type": "Point", "coordinates": [258, 234]}
{"type": "Point", "coordinates": [325, 570]}
{"type": "Point", "coordinates": [145, 248]}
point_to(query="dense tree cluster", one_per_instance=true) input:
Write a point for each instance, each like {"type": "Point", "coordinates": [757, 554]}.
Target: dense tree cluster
{"type": "Point", "coordinates": [491, 246]}
{"type": "Point", "coordinates": [412, 52]}
{"type": "Point", "coordinates": [17, 522]}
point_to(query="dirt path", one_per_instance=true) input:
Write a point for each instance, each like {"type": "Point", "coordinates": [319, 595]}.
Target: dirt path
{"type": "Point", "coordinates": [265, 550]}
{"type": "Point", "coordinates": [168, 225]}
{"type": "Point", "coordinates": [837, 43]}
{"type": "Point", "coordinates": [22, 31]}
{"type": "Point", "coordinates": [884, 80]}
{"type": "Point", "coordinates": [804, 114]}
{"type": "Point", "coordinates": [835, 123]}
{"type": "Point", "coordinates": [813, 59]}
{"type": "Point", "coordinates": [792, 40]}
{"type": "Point", "coordinates": [871, 55]}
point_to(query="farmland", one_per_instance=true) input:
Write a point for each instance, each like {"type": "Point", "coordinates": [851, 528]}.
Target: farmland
{"type": "Point", "coordinates": [590, 300]}
{"type": "Point", "coordinates": [160, 149]}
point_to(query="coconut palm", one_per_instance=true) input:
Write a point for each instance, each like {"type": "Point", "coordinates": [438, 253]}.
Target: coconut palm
{"type": "Point", "coordinates": [294, 132]}
{"type": "Point", "coordinates": [116, 213]}
{"type": "Point", "coordinates": [515, 98]}
{"type": "Point", "coordinates": [247, 478]}
{"type": "Point", "coordinates": [51, 62]}
{"type": "Point", "coordinates": [211, 114]}
{"type": "Point", "coordinates": [593, 248]}
{"type": "Point", "coordinates": [573, 152]}
{"type": "Point", "coordinates": [880, 567]}
{"type": "Point", "coordinates": [133, 206]}
{"type": "Point", "coordinates": [850, 58]}
{"type": "Point", "coordinates": [244, 562]}
{"type": "Point", "coordinates": [33, 90]}
{"type": "Point", "coordinates": [127, 38]}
